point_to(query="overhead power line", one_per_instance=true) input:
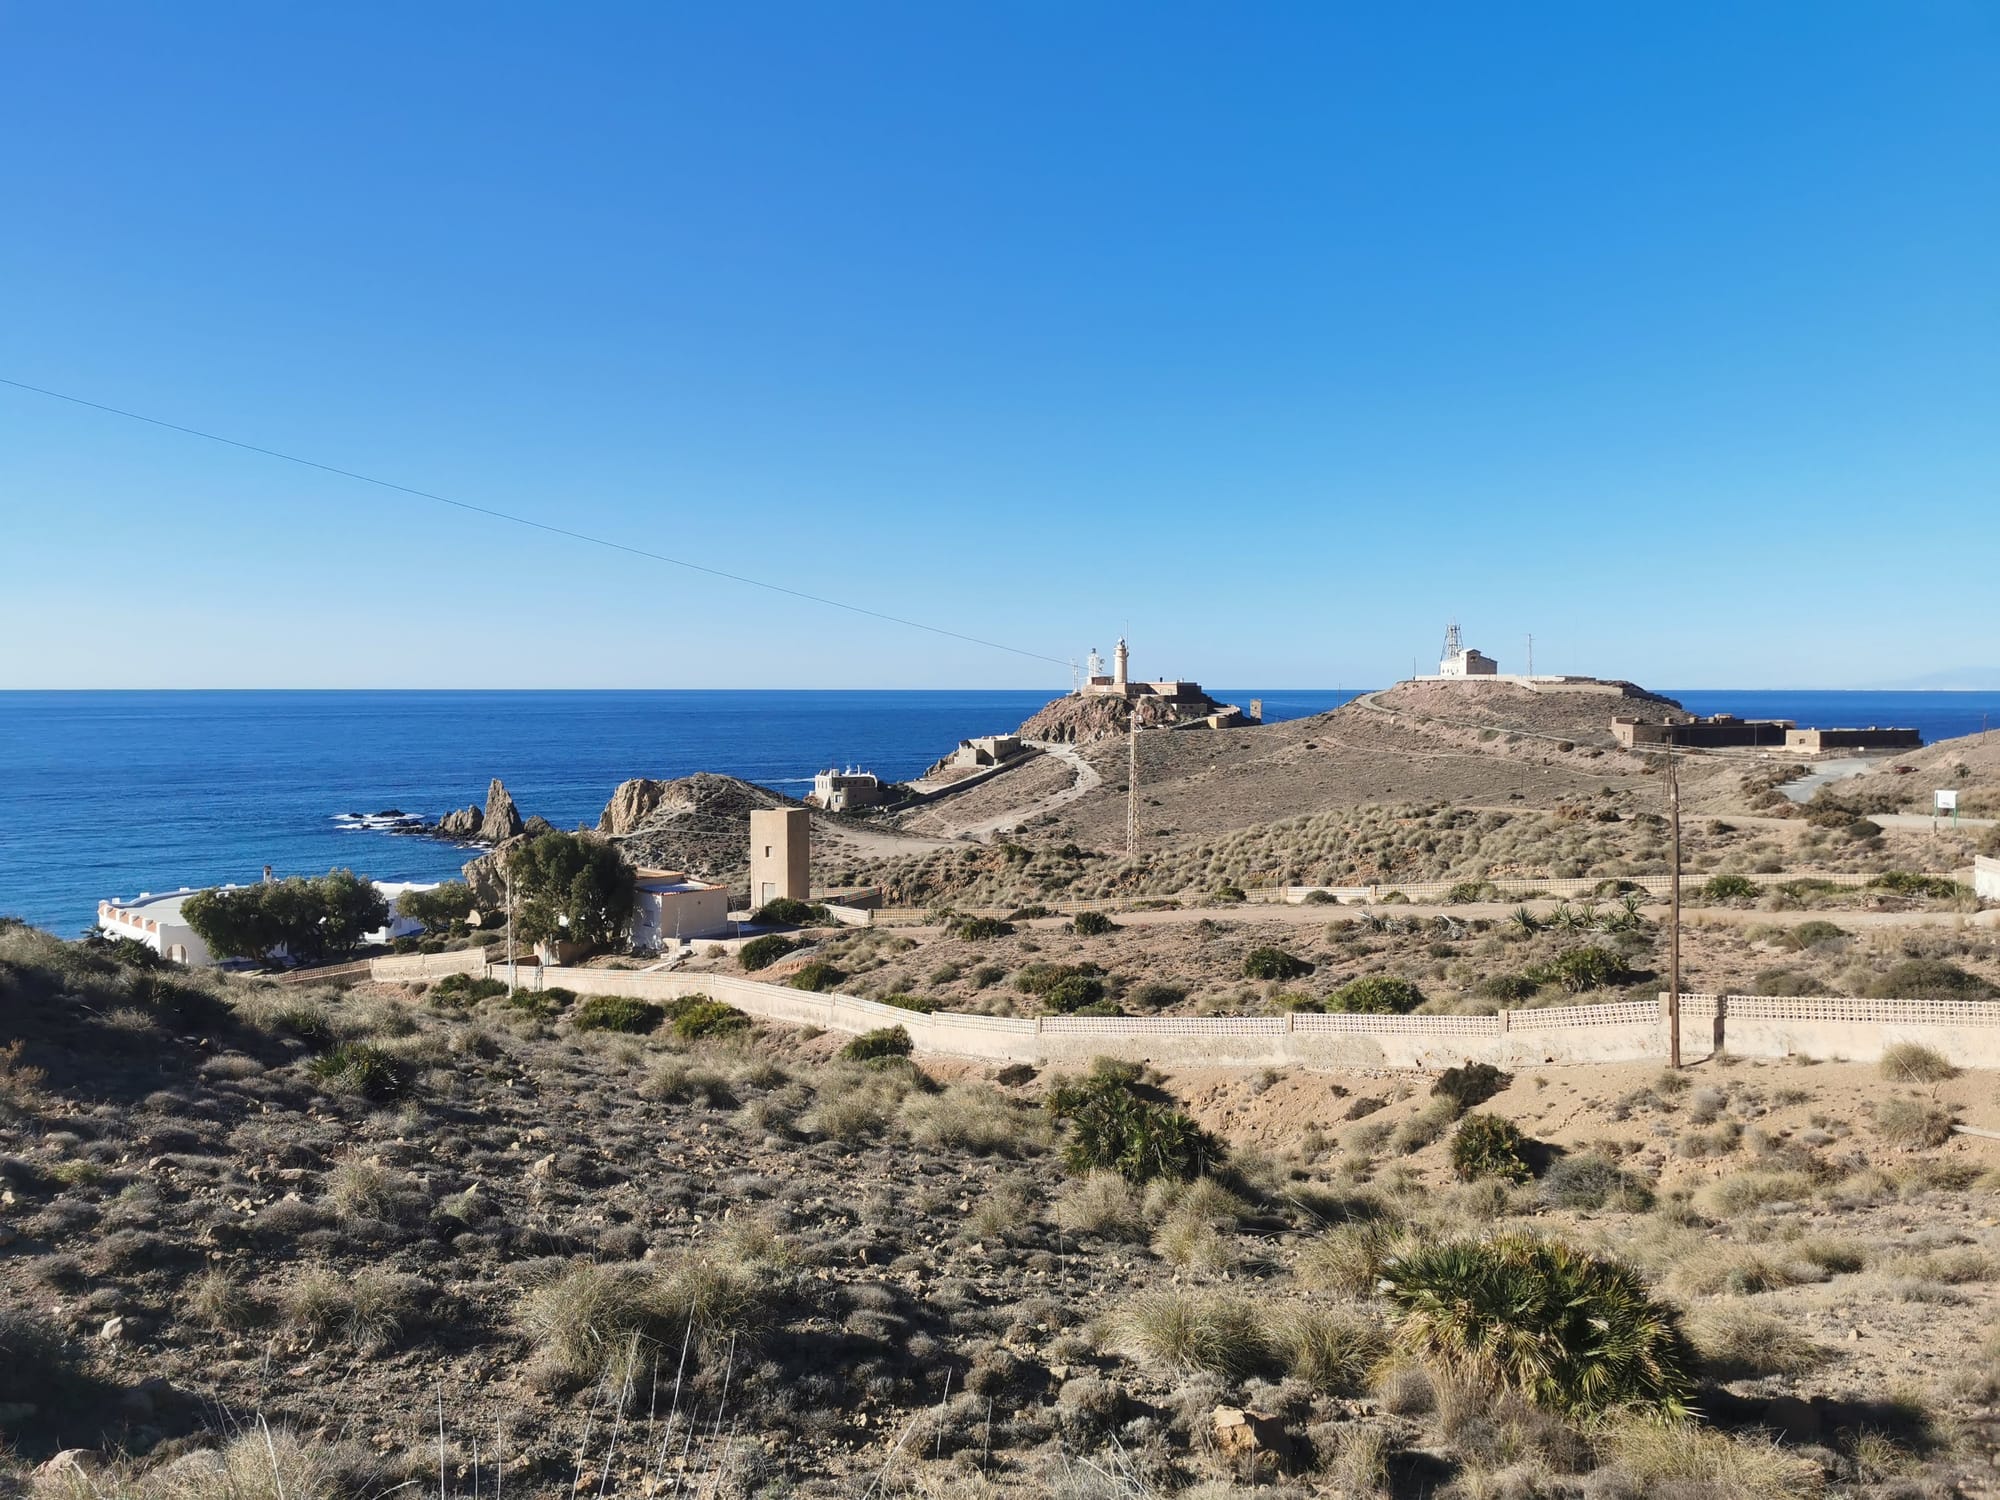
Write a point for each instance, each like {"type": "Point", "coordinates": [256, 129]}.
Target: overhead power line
{"type": "Point", "coordinates": [529, 521]}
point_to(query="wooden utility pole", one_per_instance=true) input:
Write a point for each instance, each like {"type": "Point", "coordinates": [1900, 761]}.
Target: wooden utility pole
{"type": "Point", "coordinates": [1132, 784]}
{"type": "Point", "coordinates": [1674, 919]}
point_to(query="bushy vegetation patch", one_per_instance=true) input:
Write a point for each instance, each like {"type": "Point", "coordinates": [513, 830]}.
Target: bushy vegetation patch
{"type": "Point", "coordinates": [1377, 994]}
{"type": "Point", "coordinates": [313, 921]}
{"type": "Point", "coordinates": [1062, 988]}
{"type": "Point", "coordinates": [1579, 969]}
{"type": "Point", "coordinates": [624, 1013]}
{"type": "Point", "coordinates": [787, 912]}
{"type": "Point", "coordinates": [1274, 963]}
{"type": "Point", "coordinates": [1092, 924]}
{"type": "Point", "coordinates": [1593, 1180]}
{"type": "Point", "coordinates": [922, 1004]}
{"type": "Point", "coordinates": [358, 1068]}
{"type": "Point", "coordinates": [1569, 1331]}
{"type": "Point", "coordinates": [464, 989]}
{"type": "Point", "coordinates": [1191, 1333]}
{"type": "Point", "coordinates": [1112, 1127]}
{"type": "Point", "coordinates": [1470, 1085]}
{"type": "Point", "coordinates": [1925, 887]}
{"type": "Point", "coordinates": [819, 976]}
{"type": "Point", "coordinates": [980, 929]}
{"type": "Point", "coordinates": [884, 1042]}
{"type": "Point", "coordinates": [1723, 888]}
{"type": "Point", "coordinates": [1912, 1062]}
{"type": "Point", "coordinates": [1489, 1146]}
{"type": "Point", "coordinates": [761, 953]}
{"type": "Point", "coordinates": [698, 1018]}
{"type": "Point", "coordinates": [1912, 1124]}
{"type": "Point", "coordinates": [1929, 979]}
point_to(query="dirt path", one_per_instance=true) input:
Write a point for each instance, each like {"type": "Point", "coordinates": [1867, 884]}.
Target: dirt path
{"type": "Point", "coordinates": [1087, 781]}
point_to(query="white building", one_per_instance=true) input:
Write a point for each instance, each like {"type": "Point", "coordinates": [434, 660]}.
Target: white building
{"type": "Point", "coordinates": [669, 906]}
{"type": "Point", "coordinates": [1986, 877]}
{"type": "Point", "coordinates": [156, 921]}
{"type": "Point", "coordinates": [1468, 663]}
{"type": "Point", "coordinates": [846, 791]}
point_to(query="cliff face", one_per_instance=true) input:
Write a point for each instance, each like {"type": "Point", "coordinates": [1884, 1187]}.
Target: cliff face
{"type": "Point", "coordinates": [1080, 720]}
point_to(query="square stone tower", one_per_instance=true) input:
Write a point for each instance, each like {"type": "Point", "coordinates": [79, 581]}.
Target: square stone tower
{"type": "Point", "coordinates": [780, 855]}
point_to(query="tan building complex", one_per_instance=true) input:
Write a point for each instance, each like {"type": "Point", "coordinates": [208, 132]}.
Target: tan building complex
{"type": "Point", "coordinates": [780, 855]}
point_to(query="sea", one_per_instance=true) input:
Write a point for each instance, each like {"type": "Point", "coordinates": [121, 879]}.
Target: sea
{"type": "Point", "coordinates": [115, 794]}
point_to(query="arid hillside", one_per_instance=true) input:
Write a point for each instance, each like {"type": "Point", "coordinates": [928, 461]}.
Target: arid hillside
{"type": "Point", "coordinates": [263, 1241]}
{"type": "Point", "coordinates": [1482, 746]}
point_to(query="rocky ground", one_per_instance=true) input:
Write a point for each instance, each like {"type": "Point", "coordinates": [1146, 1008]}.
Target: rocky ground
{"type": "Point", "coordinates": [252, 1230]}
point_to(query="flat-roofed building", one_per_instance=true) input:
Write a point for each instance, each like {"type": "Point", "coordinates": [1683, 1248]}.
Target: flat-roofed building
{"type": "Point", "coordinates": [780, 855]}
{"type": "Point", "coordinates": [671, 906]}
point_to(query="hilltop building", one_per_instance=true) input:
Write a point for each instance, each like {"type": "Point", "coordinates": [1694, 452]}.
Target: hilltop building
{"type": "Point", "coordinates": [1118, 682]}
{"type": "Point", "coordinates": [985, 750]}
{"type": "Point", "coordinates": [1727, 732]}
{"type": "Point", "coordinates": [846, 791]}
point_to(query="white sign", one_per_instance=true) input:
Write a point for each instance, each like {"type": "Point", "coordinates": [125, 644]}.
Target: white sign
{"type": "Point", "coordinates": [1947, 801]}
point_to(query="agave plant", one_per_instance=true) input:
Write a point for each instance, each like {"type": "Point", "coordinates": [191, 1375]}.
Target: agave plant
{"type": "Point", "coordinates": [1526, 920]}
{"type": "Point", "coordinates": [1572, 1332]}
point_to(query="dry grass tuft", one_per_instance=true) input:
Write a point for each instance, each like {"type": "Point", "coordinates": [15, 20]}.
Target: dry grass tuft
{"type": "Point", "coordinates": [1182, 1331]}
{"type": "Point", "coordinates": [1740, 1343]}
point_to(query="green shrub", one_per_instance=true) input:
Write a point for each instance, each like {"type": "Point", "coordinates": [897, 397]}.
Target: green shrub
{"type": "Point", "coordinates": [1904, 883]}
{"type": "Point", "coordinates": [1785, 981]}
{"type": "Point", "coordinates": [1470, 1086]}
{"type": "Point", "coordinates": [761, 953]}
{"type": "Point", "coordinates": [1506, 988]}
{"type": "Point", "coordinates": [1730, 888]}
{"type": "Point", "coordinates": [786, 912]}
{"type": "Point", "coordinates": [541, 1003]}
{"type": "Point", "coordinates": [1092, 924]}
{"type": "Point", "coordinates": [921, 1004]}
{"type": "Point", "coordinates": [1062, 988]}
{"type": "Point", "coordinates": [1274, 963]}
{"type": "Point", "coordinates": [1074, 993]}
{"type": "Point", "coordinates": [979, 929]}
{"type": "Point", "coordinates": [884, 1042]}
{"type": "Point", "coordinates": [1807, 934]}
{"type": "Point", "coordinates": [1468, 891]}
{"type": "Point", "coordinates": [1377, 994]}
{"type": "Point", "coordinates": [618, 1013]}
{"type": "Point", "coordinates": [1929, 979]}
{"type": "Point", "coordinates": [1567, 1330]}
{"type": "Point", "coordinates": [696, 1018]}
{"type": "Point", "coordinates": [462, 989]}
{"type": "Point", "coordinates": [1112, 1127]}
{"type": "Point", "coordinates": [1580, 969]}
{"type": "Point", "coordinates": [1488, 1146]}
{"type": "Point", "coordinates": [1229, 895]}
{"type": "Point", "coordinates": [358, 1068]}
{"type": "Point", "coordinates": [819, 976]}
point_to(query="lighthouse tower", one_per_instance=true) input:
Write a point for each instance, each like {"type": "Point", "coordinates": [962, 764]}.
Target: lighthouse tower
{"type": "Point", "coordinates": [1120, 660]}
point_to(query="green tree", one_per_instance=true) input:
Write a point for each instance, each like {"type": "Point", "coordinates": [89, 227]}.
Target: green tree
{"type": "Point", "coordinates": [571, 886]}
{"type": "Point", "coordinates": [313, 920]}
{"type": "Point", "coordinates": [440, 908]}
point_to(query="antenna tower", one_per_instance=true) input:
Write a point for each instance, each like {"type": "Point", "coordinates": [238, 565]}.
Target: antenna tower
{"type": "Point", "coordinates": [1531, 654]}
{"type": "Point", "coordinates": [1454, 643]}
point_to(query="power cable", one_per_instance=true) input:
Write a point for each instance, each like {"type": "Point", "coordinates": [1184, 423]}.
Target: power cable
{"type": "Point", "coordinates": [563, 531]}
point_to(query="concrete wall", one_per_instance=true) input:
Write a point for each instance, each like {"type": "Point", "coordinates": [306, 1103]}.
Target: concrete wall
{"type": "Point", "coordinates": [1986, 877]}
{"type": "Point", "coordinates": [780, 855]}
{"type": "Point", "coordinates": [402, 967]}
{"type": "Point", "coordinates": [1827, 1029]}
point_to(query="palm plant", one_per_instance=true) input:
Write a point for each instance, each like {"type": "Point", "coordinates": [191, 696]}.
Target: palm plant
{"type": "Point", "coordinates": [1570, 1331]}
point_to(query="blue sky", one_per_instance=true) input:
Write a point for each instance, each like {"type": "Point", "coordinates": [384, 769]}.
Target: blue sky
{"type": "Point", "coordinates": [1280, 333]}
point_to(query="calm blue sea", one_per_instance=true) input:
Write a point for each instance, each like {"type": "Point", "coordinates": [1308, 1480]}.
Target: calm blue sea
{"type": "Point", "coordinates": [111, 794]}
